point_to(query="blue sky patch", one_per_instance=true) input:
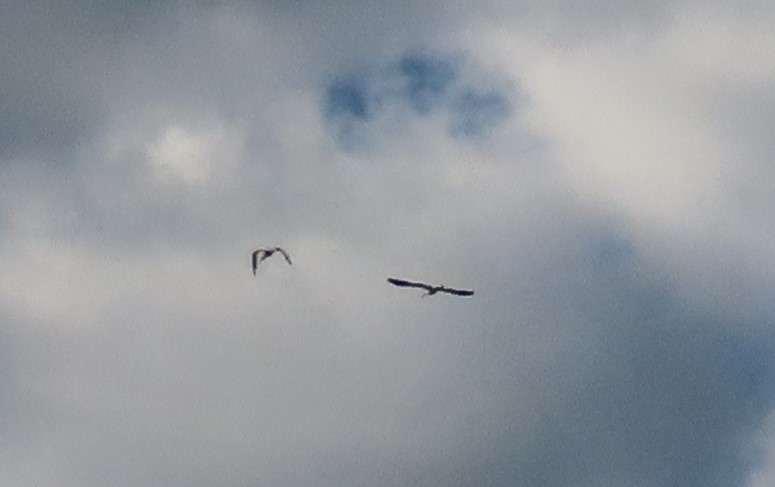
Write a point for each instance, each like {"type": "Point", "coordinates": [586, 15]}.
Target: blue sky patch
{"type": "Point", "coordinates": [422, 84]}
{"type": "Point", "coordinates": [427, 80]}
{"type": "Point", "coordinates": [348, 107]}
{"type": "Point", "coordinates": [347, 98]}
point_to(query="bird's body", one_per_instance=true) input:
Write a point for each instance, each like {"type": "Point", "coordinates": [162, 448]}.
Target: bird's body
{"type": "Point", "coordinates": [430, 290]}
{"type": "Point", "coordinates": [259, 255]}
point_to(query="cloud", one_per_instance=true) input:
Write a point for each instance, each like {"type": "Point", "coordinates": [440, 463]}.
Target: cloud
{"type": "Point", "coordinates": [478, 112]}
{"type": "Point", "coordinates": [593, 172]}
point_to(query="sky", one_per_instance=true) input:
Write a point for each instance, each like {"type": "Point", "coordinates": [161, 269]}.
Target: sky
{"type": "Point", "coordinates": [599, 172]}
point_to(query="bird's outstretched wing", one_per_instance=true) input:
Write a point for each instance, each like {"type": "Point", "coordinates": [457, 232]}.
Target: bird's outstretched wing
{"type": "Point", "coordinates": [255, 259]}
{"type": "Point", "coordinates": [285, 254]}
{"type": "Point", "coordinates": [404, 283]}
{"type": "Point", "coordinates": [457, 292]}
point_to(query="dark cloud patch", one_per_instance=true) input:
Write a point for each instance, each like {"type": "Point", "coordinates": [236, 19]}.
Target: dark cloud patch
{"type": "Point", "coordinates": [41, 126]}
{"type": "Point", "coordinates": [642, 394]}
{"type": "Point", "coordinates": [612, 253]}
{"type": "Point", "coordinates": [669, 390]}
{"type": "Point", "coordinates": [654, 412]}
{"type": "Point", "coordinates": [638, 387]}
{"type": "Point", "coordinates": [42, 106]}
{"type": "Point", "coordinates": [58, 58]}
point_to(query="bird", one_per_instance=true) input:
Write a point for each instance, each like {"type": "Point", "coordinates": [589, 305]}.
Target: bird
{"type": "Point", "coordinates": [265, 254]}
{"type": "Point", "coordinates": [430, 290]}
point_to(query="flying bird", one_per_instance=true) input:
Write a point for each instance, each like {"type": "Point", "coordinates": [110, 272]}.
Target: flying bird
{"type": "Point", "coordinates": [265, 254]}
{"type": "Point", "coordinates": [430, 290]}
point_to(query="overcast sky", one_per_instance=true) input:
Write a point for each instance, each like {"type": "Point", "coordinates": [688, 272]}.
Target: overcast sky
{"type": "Point", "coordinates": [600, 172]}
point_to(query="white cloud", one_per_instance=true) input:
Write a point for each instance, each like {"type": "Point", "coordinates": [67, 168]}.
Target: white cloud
{"type": "Point", "coordinates": [724, 46]}
{"type": "Point", "coordinates": [181, 155]}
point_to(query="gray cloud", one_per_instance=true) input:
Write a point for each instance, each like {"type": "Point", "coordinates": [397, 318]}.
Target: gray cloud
{"type": "Point", "coordinates": [59, 59]}
{"type": "Point", "coordinates": [620, 333]}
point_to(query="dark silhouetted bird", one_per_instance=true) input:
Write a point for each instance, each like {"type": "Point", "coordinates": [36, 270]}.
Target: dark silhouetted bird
{"type": "Point", "coordinates": [430, 290]}
{"type": "Point", "coordinates": [265, 254]}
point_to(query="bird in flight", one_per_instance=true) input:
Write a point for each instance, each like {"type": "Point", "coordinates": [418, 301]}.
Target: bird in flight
{"type": "Point", "coordinates": [430, 290]}
{"type": "Point", "coordinates": [265, 254]}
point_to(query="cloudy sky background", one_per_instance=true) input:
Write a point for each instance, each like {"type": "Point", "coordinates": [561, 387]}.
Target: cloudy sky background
{"type": "Point", "coordinates": [601, 174]}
